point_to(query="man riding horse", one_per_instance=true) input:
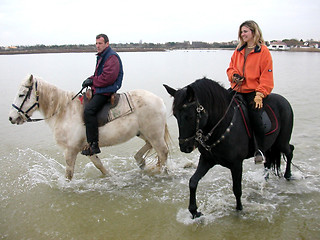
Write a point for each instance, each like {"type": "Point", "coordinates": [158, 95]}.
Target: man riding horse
{"type": "Point", "coordinates": [107, 79]}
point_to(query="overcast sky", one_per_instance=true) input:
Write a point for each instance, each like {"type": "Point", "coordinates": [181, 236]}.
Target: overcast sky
{"type": "Point", "coordinates": [31, 22]}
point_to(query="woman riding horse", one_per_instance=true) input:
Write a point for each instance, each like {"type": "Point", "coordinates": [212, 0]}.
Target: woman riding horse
{"type": "Point", "coordinates": [250, 74]}
{"type": "Point", "coordinates": [210, 119]}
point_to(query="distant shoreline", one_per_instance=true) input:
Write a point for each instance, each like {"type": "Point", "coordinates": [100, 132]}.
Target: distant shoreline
{"type": "Point", "coordinates": [302, 50]}
{"type": "Point", "coordinates": [84, 50]}
{"type": "Point", "coordinates": [76, 50]}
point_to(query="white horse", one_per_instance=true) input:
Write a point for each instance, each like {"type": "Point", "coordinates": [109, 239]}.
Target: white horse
{"type": "Point", "coordinates": [65, 118]}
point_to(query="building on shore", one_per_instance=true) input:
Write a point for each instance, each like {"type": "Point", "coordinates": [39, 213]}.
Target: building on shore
{"type": "Point", "coordinates": [278, 45]}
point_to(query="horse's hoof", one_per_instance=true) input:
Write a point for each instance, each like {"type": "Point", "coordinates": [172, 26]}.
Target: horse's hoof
{"type": "Point", "coordinates": [239, 208]}
{"type": "Point", "coordinates": [69, 176]}
{"type": "Point", "coordinates": [287, 176]}
{"type": "Point", "coordinates": [164, 170]}
{"type": "Point", "coordinates": [142, 165]}
{"type": "Point", "coordinates": [196, 215]}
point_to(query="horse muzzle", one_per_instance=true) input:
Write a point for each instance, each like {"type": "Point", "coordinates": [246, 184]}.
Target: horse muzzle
{"type": "Point", "coordinates": [187, 149]}
{"type": "Point", "coordinates": [187, 145]}
{"type": "Point", "coordinates": [16, 118]}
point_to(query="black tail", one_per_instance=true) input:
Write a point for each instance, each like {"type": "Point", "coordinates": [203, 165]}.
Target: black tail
{"type": "Point", "coordinates": [273, 160]}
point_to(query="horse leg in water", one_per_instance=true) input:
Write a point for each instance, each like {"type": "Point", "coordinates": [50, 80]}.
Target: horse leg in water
{"type": "Point", "coordinates": [70, 156]}
{"type": "Point", "coordinates": [273, 157]}
{"type": "Point", "coordinates": [97, 162]}
{"type": "Point", "coordinates": [139, 155]}
{"type": "Point", "coordinates": [236, 172]}
{"type": "Point", "coordinates": [289, 156]}
{"type": "Point", "coordinates": [158, 142]}
{"type": "Point", "coordinates": [202, 169]}
{"type": "Point", "coordinates": [162, 151]}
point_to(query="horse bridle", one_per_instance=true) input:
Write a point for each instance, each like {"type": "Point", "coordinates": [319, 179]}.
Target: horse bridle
{"type": "Point", "coordinates": [198, 134]}
{"type": "Point", "coordinates": [36, 104]}
{"type": "Point", "coordinates": [27, 96]}
{"type": "Point", "coordinates": [199, 137]}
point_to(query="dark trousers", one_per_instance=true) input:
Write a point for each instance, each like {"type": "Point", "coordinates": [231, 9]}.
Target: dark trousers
{"type": "Point", "coordinates": [90, 116]}
{"type": "Point", "coordinates": [255, 116]}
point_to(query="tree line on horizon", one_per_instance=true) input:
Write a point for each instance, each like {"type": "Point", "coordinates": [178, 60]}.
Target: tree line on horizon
{"type": "Point", "coordinates": [151, 46]}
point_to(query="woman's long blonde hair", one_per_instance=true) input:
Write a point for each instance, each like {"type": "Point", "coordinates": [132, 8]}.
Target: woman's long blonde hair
{"type": "Point", "coordinates": [257, 33]}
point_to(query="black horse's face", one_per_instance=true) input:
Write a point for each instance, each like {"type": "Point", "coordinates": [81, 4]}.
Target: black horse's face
{"type": "Point", "coordinates": [189, 116]}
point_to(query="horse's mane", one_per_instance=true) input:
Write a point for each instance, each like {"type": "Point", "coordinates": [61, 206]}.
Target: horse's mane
{"type": "Point", "coordinates": [210, 94]}
{"type": "Point", "coordinates": [52, 100]}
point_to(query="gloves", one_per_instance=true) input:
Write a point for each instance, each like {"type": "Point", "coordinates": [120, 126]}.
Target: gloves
{"type": "Point", "coordinates": [236, 78]}
{"type": "Point", "coordinates": [258, 100]}
{"type": "Point", "coordinates": [87, 83]}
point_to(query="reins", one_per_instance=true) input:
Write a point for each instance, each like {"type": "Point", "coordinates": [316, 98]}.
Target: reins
{"type": "Point", "coordinates": [224, 115]}
{"type": "Point", "coordinates": [78, 93]}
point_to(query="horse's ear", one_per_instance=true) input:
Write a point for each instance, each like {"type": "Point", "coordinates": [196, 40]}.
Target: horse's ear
{"type": "Point", "coordinates": [190, 94]}
{"type": "Point", "coordinates": [30, 79]}
{"type": "Point", "coordinates": [170, 90]}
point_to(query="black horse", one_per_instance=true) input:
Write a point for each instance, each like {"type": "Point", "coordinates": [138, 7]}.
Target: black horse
{"type": "Point", "coordinates": [212, 119]}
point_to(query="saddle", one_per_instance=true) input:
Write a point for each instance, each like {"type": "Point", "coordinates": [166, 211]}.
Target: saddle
{"type": "Point", "coordinates": [269, 119]}
{"type": "Point", "coordinates": [119, 105]}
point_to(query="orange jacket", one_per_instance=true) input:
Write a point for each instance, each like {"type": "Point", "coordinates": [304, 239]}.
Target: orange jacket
{"type": "Point", "coordinates": [257, 70]}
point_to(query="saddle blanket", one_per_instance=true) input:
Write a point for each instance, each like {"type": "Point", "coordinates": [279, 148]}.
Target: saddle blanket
{"type": "Point", "coordinates": [268, 116]}
{"type": "Point", "coordinates": [120, 107]}
{"type": "Point", "coordinates": [270, 120]}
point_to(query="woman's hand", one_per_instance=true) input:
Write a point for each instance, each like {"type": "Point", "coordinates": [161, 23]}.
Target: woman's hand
{"type": "Point", "coordinates": [236, 78]}
{"type": "Point", "coordinates": [258, 100]}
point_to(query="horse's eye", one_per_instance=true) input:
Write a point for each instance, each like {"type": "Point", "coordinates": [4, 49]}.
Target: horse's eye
{"type": "Point", "coordinates": [21, 95]}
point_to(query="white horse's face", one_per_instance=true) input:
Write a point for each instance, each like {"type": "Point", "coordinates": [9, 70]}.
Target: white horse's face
{"type": "Point", "coordinates": [25, 102]}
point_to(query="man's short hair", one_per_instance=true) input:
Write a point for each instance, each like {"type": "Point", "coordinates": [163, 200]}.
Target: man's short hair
{"type": "Point", "coordinates": [105, 37]}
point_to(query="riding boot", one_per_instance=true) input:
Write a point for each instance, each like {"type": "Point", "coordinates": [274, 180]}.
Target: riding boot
{"type": "Point", "coordinates": [258, 134]}
{"type": "Point", "coordinates": [258, 154]}
{"type": "Point", "coordinates": [91, 149]}
{"type": "Point", "coordinates": [95, 148]}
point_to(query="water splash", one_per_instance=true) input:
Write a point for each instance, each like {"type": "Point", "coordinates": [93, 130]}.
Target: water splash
{"type": "Point", "coordinates": [261, 199]}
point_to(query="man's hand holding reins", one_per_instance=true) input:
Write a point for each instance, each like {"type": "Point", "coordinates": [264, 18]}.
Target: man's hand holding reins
{"type": "Point", "coordinates": [87, 83]}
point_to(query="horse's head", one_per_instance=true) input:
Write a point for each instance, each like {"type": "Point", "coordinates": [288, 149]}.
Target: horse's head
{"type": "Point", "coordinates": [25, 103]}
{"type": "Point", "coordinates": [190, 115]}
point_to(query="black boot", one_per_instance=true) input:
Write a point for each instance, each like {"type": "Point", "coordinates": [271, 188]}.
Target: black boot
{"type": "Point", "coordinates": [258, 154]}
{"type": "Point", "coordinates": [91, 149]}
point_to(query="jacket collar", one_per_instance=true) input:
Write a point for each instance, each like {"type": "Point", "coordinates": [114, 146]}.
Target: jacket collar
{"type": "Point", "coordinates": [256, 49]}
{"type": "Point", "coordinates": [104, 52]}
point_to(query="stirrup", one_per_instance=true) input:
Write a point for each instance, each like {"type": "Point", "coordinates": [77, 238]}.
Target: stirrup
{"type": "Point", "coordinates": [259, 157]}
{"type": "Point", "coordinates": [91, 149]}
